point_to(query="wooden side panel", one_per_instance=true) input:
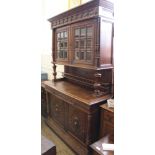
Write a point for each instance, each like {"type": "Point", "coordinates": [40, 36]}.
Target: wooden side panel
{"type": "Point", "coordinates": [106, 49]}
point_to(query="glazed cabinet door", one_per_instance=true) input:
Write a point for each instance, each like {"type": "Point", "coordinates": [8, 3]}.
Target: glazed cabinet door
{"type": "Point", "coordinates": [83, 42]}
{"type": "Point", "coordinates": [61, 45]}
{"type": "Point", "coordinates": [77, 123]}
{"type": "Point", "coordinates": [57, 109]}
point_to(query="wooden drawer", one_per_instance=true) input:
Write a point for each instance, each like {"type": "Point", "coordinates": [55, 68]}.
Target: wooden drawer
{"type": "Point", "coordinates": [57, 110]}
{"type": "Point", "coordinates": [77, 123]}
{"type": "Point", "coordinates": [108, 116]}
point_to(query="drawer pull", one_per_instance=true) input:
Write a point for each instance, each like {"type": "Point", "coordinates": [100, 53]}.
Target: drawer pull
{"type": "Point", "coordinates": [76, 122]}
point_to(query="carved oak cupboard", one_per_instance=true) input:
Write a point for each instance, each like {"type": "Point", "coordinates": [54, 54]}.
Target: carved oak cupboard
{"type": "Point", "coordinates": [83, 42]}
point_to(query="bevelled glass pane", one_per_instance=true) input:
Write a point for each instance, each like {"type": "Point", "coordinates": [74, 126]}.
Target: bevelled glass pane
{"type": "Point", "coordinates": [65, 54]}
{"type": "Point", "coordinates": [89, 43]}
{"type": "Point", "coordinates": [62, 35]}
{"type": "Point", "coordinates": [65, 44]}
{"type": "Point", "coordinates": [65, 34]}
{"type": "Point", "coordinates": [88, 55]}
{"type": "Point", "coordinates": [61, 54]}
{"type": "Point", "coordinates": [77, 32]}
{"type": "Point", "coordinates": [83, 31]}
{"type": "Point", "coordinates": [82, 55]}
{"type": "Point", "coordinates": [82, 43]}
{"type": "Point", "coordinates": [77, 55]}
{"type": "Point", "coordinates": [89, 31]}
{"type": "Point", "coordinates": [58, 35]}
{"type": "Point", "coordinates": [76, 44]}
{"type": "Point", "coordinates": [61, 44]}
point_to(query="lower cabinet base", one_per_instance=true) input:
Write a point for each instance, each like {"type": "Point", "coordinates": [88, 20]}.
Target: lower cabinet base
{"type": "Point", "coordinates": [74, 145]}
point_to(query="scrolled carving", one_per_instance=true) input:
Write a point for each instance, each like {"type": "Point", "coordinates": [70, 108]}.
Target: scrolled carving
{"type": "Point", "coordinates": [75, 17]}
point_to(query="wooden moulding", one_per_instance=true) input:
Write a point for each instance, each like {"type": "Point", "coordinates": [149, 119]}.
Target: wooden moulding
{"type": "Point", "coordinates": [82, 12]}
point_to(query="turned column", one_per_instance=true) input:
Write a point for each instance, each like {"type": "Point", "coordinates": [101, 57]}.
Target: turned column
{"type": "Point", "coordinates": [97, 85]}
{"type": "Point", "coordinates": [54, 71]}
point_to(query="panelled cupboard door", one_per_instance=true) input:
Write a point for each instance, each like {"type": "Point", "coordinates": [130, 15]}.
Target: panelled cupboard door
{"type": "Point", "coordinates": [57, 110]}
{"type": "Point", "coordinates": [61, 46]}
{"type": "Point", "coordinates": [77, 123]}
{"type": "Point", "coordinates": [83, 42]}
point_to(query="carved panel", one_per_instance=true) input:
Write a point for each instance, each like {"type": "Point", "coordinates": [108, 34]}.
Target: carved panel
{"type": "Point", "coordinates": [57, 108]}
{"type": "Point", "coordinates": [77, 122]}
{"type": "Point", "coordinates": [78, 16]}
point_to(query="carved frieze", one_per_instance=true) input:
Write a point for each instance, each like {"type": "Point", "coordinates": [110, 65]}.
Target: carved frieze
{"type": "Point", "coordinates": [68, 19]}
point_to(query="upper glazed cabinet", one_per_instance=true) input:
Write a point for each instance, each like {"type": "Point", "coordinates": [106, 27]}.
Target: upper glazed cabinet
{"type": "Point", "coordinates": [83, 36]}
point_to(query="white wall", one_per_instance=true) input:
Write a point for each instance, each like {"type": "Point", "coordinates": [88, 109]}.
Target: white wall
{"type": "Point", "coordinates": [50, 8]}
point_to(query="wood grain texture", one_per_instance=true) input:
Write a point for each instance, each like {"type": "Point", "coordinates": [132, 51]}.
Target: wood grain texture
{"type": "Point", "coordinates": [82, 12]}
{"type": "Point", "coordinates": [61, 147]}
{"type": "Point", "coordinates": [107, 122]}
{"type": "Point", "coordinates": [83, 43]}
{"type": "Point", "coordinates": [74, 114]}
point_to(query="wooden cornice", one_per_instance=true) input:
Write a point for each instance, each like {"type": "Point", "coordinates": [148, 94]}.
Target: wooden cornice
{"type": "Point", "coordinates": [82, 12]}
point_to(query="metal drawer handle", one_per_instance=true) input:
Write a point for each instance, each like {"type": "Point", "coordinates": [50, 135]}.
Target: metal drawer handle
{"type": "Point", "coordinates": [76, 122]}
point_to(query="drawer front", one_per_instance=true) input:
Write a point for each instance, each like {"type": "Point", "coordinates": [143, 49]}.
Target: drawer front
{"type": "Point", "coordinates": [109, 116]}
{"type": "Point", "coordinates": [77, 123]}
{"type": "Point", "coordinates": [57, 109]}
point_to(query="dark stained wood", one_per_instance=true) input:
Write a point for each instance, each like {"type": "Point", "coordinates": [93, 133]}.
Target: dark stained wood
{"type": "Point", "coordinates": [43, 101]}
{"type": "Point", "coordinates": [57, 110]}
{"type": "Point", "coordinates": [83, 43]}
{"type": "Point", "coordinates": [77, 122]}
{"type": "Point", "coordinates": [86, 78]}
{"type": "Point", "coordinates": [74, 93]}
{"type": "Point", "coordinates": [107, 122]}
{"type": "Point", "coordinates": [75, 110]}
{"type": "Point", "coordinates": [69, 139]}
{"type": "Point", "coordinates": [54, 71]}
{"type": "Point", "coordinates": [97, 148]}
{"type": "Point", "coordinates": [102, 24]}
